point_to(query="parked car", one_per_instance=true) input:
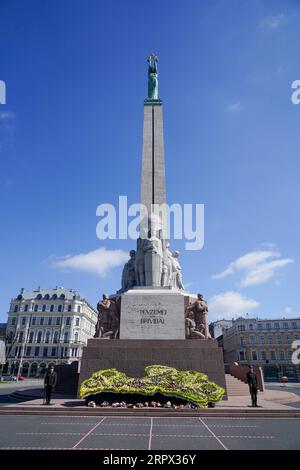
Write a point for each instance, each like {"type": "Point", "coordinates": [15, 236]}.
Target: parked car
{"type": "Point", "coordinates": [8, 378]}
{"type": "Point", "coordinates": [21, 377]}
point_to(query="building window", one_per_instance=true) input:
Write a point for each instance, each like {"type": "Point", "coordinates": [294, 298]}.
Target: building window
{"type": "Point", "coordinates": [260, 326]}
{"type": "Point", "coordinates": [21, 336]}
{"type": "Point", "coordinates": [36, 351]}
{"type": "Point", "coordinates": [49, 321]}
{"type": "Point", "coordinates": [13, 321]}
{"type": "Point", "coordinates": [59, 308]}
{"type": "Point", "coordinates": [53, 352]}
{"type": "Point", "coordinates": [16, 308]}
{"type": "Point", "coordinates": [31, 335]}
{"type": "Point", "coordinates": [264, 355]}
{"type": "Point", "coordinates": [242, 355]}
{"type": "Point", "coordinates": [26, 308]}
{"type": "Point", "coordinates": [254, 355]}
{"type": "Point", "coordinates": [58, 321]}
{"type": "Point", "coordinates": [74, 352]}
{"type": "Point", "coordinates": [285, 325]}
{"type": "Point", "coordinates": [294, 324]}
{"type": "Point", "coordinates": [281, 355]}
{"type": "Point", "coordinates": [273, 356]}
{"type": "Point", "coordinates": [47, 339]}
{"type": "Point", "coordinates": [45, 352]}
{"type": "Point", "coordinates": [68, 319]}
{"type": "Point", "coordinates": [297, 337]}
{"type": "Point", "coordinates": [252, 339]}
{"type": "Point", "coordinates": [270, 339]}
{"type": "Point", "coordinates": [69, 308]}
{"type": "Point", "coordinates": [76, 337]}
{"type": "Point", "coordinates": [44, 308]}
{"type": "Point", "coordinates": [279, 340]}
{"type": "Point", "coordinates": [23, 321]}
{"type": "Point", "coordinates": [276, 325]}
{"type": "Point", "coordinates": [41, 320]}
{"type": "Point", "coordinates": [36, 307]}
{"type": "Point", "coordinates": [47, 297]}
{"type": "Point", "coordinates": [51, 308]}
{"type": "Point", "coordinates": [78, 308]}
{"type": "Point", "coordinates": [290, 354]}
{"type": "Point", "coordinates": [28, 351]}
{"type": "Point", "coordinates": [287, 339]}
{"type": "Point", "coordinates": [10, 337]}
{"type": "Point", "coordinates": [66, 337]}
{"type": "Point", "coordinates": [262, 340]}
{"type": "Point", "coordinates": [55, 339]}
{"type": "Point", "coordinates": [250, 326]}
{"type": "Point", "coordinates": [241, 328]}
{"type": "Point", "coordinates": [33, 321]}
{"type": "Point", "coordinates": [268, 325]}
{"type": "Point", "coordinates": [39, 337]}
{"type": "Point", "coordinates": [77, 322]}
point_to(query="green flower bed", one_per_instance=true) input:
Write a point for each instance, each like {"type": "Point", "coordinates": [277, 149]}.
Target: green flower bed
{"type": "Point", "coordinates": [188, 384]}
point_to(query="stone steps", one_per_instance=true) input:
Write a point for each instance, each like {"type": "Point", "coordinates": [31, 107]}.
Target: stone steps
{"type": "Point", "coordinates": [235, 387]}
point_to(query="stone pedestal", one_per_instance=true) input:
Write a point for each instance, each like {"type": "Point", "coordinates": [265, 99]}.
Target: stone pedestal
{"type": "Point", "coordinates": [153, 313]}
{"type": "Point", "coordinates": [132, 356]}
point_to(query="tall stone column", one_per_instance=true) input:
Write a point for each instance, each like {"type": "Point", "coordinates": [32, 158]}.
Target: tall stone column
{"type": "Point", "coordinates": [153, 185]}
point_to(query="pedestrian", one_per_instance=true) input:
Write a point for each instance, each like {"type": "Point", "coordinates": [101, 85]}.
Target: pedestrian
{"type": "Point", "coordinates": [253, 385]}
{"type": "Point", "coordinates": [49, 384]}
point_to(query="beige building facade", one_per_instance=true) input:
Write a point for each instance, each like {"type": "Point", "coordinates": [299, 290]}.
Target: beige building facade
{"type": "Point", "coordinates": [47, 326]}
{"type": "Point", "coordinates": [266, 343]}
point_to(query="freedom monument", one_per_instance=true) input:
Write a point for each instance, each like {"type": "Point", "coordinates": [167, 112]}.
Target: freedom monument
{"type": "Point", "coordinates": [152, 319]}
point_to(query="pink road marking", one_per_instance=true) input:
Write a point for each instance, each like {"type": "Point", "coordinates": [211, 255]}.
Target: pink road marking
{"type": "Point", "coordinates": [213, 434]}
{"type": "Point", "coordinates": [88, 433]}
{"type": "Point", "coordinates": [150, 435]}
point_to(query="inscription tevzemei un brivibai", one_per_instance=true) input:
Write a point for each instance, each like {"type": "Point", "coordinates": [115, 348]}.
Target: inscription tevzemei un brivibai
{"type": "Point", "coordinates": [154, 316]}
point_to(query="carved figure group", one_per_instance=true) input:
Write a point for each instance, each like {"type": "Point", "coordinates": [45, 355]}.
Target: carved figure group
{"type": "Point", "coordinates": [196, 318]}
{"type": "Point", "coordinates": [152, 264]}
{"type": "Point", "coordinates": [108, 323]}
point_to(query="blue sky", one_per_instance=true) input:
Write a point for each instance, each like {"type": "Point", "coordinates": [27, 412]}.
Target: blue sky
{"type": "Point", "coordinates": [71, 139]}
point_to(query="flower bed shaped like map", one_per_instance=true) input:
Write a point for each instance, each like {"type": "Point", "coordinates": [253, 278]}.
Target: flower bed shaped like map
{"type": "Point", "coordinates": [188, 385]}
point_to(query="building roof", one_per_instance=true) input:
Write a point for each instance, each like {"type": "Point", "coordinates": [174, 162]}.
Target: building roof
{"type": "Point", "coordinates": [221, 321]}
{"type": "Point", "coordinates": [57, 292]}
{"type": "Point", "coordinates": [265, 319]}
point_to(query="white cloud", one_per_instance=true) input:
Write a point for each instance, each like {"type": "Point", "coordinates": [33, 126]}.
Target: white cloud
{"type": "Point", "coordinates": [230, 304]}
{"type": "Point", "coordinates": [258, 267]}
{"type": "Point", "coordinates": [5, 115]}
{"type": "Point", "coordinates": [234, 107]}
{"type": "Point", "coordinates": [264, 272]}
{"type": "Point", "coordinates": [97, 262]}
{"type": "Point", "coordinates": [188, 284]}
{"type": "Point", "coordinates": [274, 22]}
